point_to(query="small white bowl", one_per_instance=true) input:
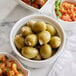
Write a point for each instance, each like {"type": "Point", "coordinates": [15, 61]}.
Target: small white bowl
{"type": "Point", "coordinates": [34, 63]}
{"type": "Point", "coordinates": [31, 7]}
{"type": "Point", "coordinates": [10, 57]}
{"type": "Point", "coordinates": [55, 16]}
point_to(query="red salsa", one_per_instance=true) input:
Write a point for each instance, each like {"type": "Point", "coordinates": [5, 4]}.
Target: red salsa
{"type": "Point", "coordinates": [35, 3]}
{"type": "Point", "coordinates": [68, 11]}
{"type": "Point", "coordinates": [9, 68]}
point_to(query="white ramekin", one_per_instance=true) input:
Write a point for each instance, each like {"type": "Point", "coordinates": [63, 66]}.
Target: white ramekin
{"type": "Point", "coordinates": [31, 7]}
{"type": "Point", "coordinates": [55, 16]}
{"type": "Point", "coordinates": [33, 63]}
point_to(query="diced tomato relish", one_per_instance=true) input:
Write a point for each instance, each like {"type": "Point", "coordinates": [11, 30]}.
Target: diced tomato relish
{"type": "Point", "coordinates": [9, 68]}
{"type": "Point", "coordinates": [35, 3]}
{"type": "Point", "coordinates": [68, 11]}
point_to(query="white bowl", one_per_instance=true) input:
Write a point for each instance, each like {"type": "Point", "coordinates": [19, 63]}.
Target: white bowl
{"type": "Point", "coordinates": [10, 57]}
{"type": "Point", "coordinates": [55, 16]}
{"type": "Point", "coordinates": [33, 63]}
{"type": "Point", "coordinates": [31, 7]}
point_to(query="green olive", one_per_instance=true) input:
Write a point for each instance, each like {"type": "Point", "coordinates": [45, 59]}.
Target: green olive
{"type": "Point", "coordinates": [30, 23]}
{"type": "Point", "coordinates": [25, 30]}
{"type": "Point", "coordinates": [39, 26]}
{"type": "Point", "coordinates": [29, 52]}
{"type": "Point", "coordinates": [38, 57]}
{"type": "Point", "coordinates": [44, 37]}
{"type": "Point", "coordinates": [19, 41]}
{"type": "Point", "coordinates": [46, 51]}
{"type": "Point", "coordinates": [51, 29]}
{"type": "Point", "coordinates": [55, 41]}
{"type": "Point", "coordinates": [31, 40]}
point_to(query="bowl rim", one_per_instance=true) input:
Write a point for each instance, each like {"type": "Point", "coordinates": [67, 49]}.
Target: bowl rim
{"type": "Point", "coordinates": [59, 18]}
{"type": "Point", "coordinates": [42, 61]}
{"type": "Point", "coordinates": [9, 55]}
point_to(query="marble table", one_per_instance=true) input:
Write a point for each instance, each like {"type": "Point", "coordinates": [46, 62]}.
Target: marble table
{"type": "Point", "coordinates": [6, 26]}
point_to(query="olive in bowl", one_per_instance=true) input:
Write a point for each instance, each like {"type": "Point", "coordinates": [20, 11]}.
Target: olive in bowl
{"type": "Point", "coordinates": [39, 55]}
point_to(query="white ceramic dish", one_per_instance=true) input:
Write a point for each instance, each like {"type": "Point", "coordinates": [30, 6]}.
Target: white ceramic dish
{"type": "Point", "coordinates": [10, 57]}
{"type": "Point", "coordinates": [30, 7]}
{"type": "Point", "coordinates": [33, 63]}
{"type": "Point", "coordinates": [72, 1]}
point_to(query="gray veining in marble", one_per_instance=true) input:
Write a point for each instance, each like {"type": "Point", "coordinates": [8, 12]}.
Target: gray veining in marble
{"type": "Point", "coordinates": [5, 29]}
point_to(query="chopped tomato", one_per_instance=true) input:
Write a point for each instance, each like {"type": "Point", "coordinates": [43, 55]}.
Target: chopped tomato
{"type": "Point", "coordinates": [74, 8]}
{"type": "Point", "coordinates": [73, 17]}
{"type": "Point", "coordinates": [12, 73]}
{"type": "Point", "coordinates": [66, 18]}
{"type": "Point", "coordinates": [63, 11]}
{"type": "Point", "coordinates": [26, 1]}
{"type": "Point", "coordinates": [37, 2]}
{"type": "Point", "coordinates": [35, 5]}
{"type": "Point", "coordinates": [2, 65]}
{"type": "Point", "coordinates": [42, 2]}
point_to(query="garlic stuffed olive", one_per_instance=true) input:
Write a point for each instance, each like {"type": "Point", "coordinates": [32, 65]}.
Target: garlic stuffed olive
{"type": "Point", "coordinates": [30, 23]}
{"type": "Point", "coordinates": [44, 37]}
{"type": "Point", "coordinates": [51, 29]}
{"type": "Point", "coordinates": [31, 40]}
{"type": "Point", "coordinates": [29, 52]}
{"type": "Point", "coordinates": [38, 57]}
{"type": "Point", "coordinates": [55, 42]}
{"type": "Point", "coordinates": [39, 26]}
{"type": "Point", "coordinates": [46, 51]}
{"type": "Point", "coordinates": [19, 41]}
{"type": "Point", "coordinates": [25, 30]}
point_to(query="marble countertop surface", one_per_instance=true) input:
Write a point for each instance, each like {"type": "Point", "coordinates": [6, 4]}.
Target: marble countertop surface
{"type": "Point", "coordinates": [5, 27]}
{"type": "Point", "coordinates": [6, 7]}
